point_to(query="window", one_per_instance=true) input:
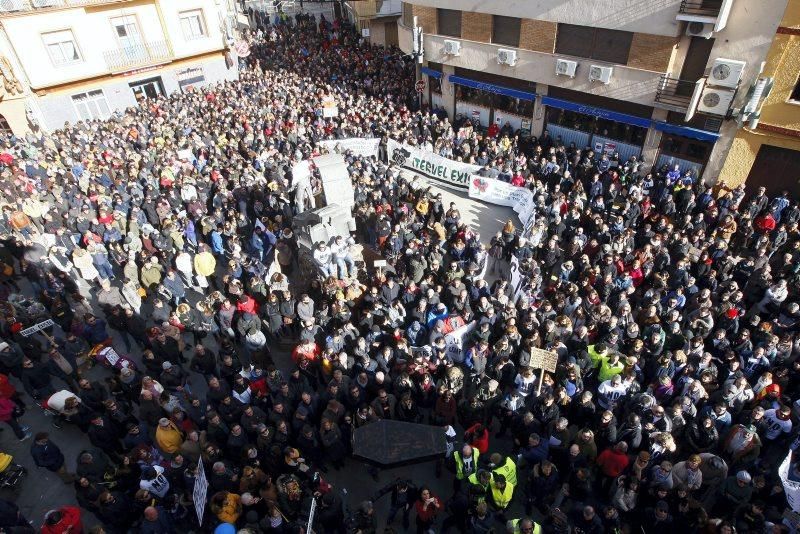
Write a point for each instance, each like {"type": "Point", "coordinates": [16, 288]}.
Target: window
{"type": "Point", "coordinates": [192, 24]}
{"type": "Point", "coordinates": [796, 92]}
{"type": "Point", "coordinates": [91, 105]}
{"type": "Point", "coordinates": [61, 47]}
{"type": "Point", "coordinates": [5, 128]}
{"type": "Point", "coordinates": [505, 30]}
{"type": "Point", "coordinates": [612, 46]}
{"type": "Point", "coordinates": [448, 22]}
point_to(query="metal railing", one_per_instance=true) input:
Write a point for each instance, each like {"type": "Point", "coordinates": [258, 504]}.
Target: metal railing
{"type": "Point", "coordinates": [700, 8]}
{"type": "Point", "coordinates": [137, 56]}
{"type": "Point", "coordinates": [673, 93]}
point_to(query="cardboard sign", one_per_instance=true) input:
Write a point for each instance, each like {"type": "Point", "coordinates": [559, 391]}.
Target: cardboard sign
{"type": "Point", "coordinates": [544, 359]}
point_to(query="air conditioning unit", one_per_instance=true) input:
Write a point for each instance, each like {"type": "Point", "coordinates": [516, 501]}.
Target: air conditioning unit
{"type": "Point", "coordinates": [507, 57]}
{"type": "Point", "coordinates": [715, 101]}
{"type": "Point", "coordinates": [699, 29]}
{"type": "Point", "coordinates": [7, 6]}
{"type": "Point", "coordinates": [452, 48]}
{"type": "Point", "coordinates": [47, 3]}
{"type": "Point", "coordinates": [726, 72]}
{"type": "Point", "coordinates": [598, 73]}
{"type": "Point", "coordinates": [566, 67]}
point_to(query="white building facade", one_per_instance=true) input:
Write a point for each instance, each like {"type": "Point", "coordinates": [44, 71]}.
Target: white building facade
{"type": "Point", "coordinates": [613, 75]}
{"type": "Point", "coordinates": [74, 60]}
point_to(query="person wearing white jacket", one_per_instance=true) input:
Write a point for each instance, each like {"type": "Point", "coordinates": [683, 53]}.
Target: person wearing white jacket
{"type": "Point", "coordinates": [83, 262]}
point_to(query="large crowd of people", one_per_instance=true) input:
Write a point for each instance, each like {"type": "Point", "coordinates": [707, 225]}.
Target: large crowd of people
{"type": "Point", "coordinates": [672, 308]}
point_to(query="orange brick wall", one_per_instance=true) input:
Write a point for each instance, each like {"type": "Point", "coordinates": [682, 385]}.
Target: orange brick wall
{"type": "Point", "coordinates": [538, 35]}
{"type": "Point", "coordinates": [476, 26]}
{"type": "Point", "coordinates": [651, 52]}
{"type": "Point", "coordinates": [426, 17]}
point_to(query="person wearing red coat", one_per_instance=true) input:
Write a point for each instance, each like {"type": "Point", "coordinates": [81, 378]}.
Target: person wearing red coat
{"type": "Point", "coordinates": [65, 520]}
{"type": "Point", "coordinates": [613, 462]}
{"type": "Point", "coordinates": [478, 436]}
{"type": "Point", "coordinates": [7, 407]}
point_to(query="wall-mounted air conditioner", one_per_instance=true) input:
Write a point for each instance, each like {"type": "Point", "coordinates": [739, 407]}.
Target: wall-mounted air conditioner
{"type": "Point", "coordinates": [566, 67]}
{"type": "Point", "coordinates": [599, 73]}
{"type": "Point", "coordinates": [452, 48]}
{"type": "Point", "coordinates": [715, 101]}
{"type": "Point", "coordinates": [726, 72]}
{"type": "Point", "coordinates": [507, 57]}
{"type": "Point", "coordinates": [699, 29]}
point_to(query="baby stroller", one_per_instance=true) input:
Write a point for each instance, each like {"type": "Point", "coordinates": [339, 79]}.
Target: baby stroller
{"type": "Point", "coordinates": [11, 474]}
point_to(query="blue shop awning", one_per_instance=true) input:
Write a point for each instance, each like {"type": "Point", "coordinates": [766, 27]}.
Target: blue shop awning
{"type": "Point", "coordinates": [685, 131]}
{"type": "Point", "coordinates": [492, 88]}
{"type": "Point", "coordinates": [432, 73]}
{"type": "Point", "coordinates": [597, 112]}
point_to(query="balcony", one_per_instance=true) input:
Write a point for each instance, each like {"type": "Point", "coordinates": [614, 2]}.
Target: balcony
{"type": "Point", "coordinates": [138, 56]}
{"type": "Point", "coordinates": [714, 12]}
{"type": "Point", "coordinates": [674, 94]}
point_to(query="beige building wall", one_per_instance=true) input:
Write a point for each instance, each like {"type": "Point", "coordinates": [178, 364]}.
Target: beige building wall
{"type": "Point", "coordinates": [780, 118]}
{"type": "Point", "coordinates": [659, 47]}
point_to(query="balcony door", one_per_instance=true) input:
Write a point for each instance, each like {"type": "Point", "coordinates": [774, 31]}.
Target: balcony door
{"type": "Point", "coordinates": [128, 37]}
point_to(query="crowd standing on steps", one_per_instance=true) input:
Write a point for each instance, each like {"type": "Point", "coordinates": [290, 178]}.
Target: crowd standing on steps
{"type": "Point", "coordinates": [672, 307]}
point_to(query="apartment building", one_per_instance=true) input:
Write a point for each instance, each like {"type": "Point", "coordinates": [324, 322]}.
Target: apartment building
{"type": "Point", "coordinates": [656, 79]}
{"type": "Point", "coordinates": [766, 152]}
{"type": "Point", "coordinates": [375, 19]}
{"type": "Point", "coordinates": [73, 60]}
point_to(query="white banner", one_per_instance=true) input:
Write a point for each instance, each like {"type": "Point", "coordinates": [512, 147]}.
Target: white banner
{"type": "Point", "coordinates": [447, 171]}
{"type": "Point", "coordinates": [790, 487]}
{"type": "Point", "coordinates": [454, 341]}
{"type": "Point", "coordinates": [503, 194]}
{"type": "Point", "coordinates": [200, 492]}
{"type": "Point", "coordinates": [360, 146]}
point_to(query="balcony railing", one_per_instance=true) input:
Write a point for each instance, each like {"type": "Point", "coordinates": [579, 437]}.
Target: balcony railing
{"type": "Point", "coordinates": [138, 56]}
{"type": "Point", "coordinates": [674, 94]}
{"type": "Point", "coordinates": [701, 8]}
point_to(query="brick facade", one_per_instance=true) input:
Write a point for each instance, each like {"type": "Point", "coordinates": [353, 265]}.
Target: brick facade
{"type": "Point", "coordinates": [538, 35]}
{"type": "Point", "coordinates": [426, 17]}
{"type": "Point", "coordinates": [476, 26]}
{"type": "Point", "coordinates": [651, 52]}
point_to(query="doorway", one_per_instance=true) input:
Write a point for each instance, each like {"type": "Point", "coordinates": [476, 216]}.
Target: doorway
{"type": "Point", "coordinates": [150, 88]}
{"type": "Point", "coordinates": [776, 169]}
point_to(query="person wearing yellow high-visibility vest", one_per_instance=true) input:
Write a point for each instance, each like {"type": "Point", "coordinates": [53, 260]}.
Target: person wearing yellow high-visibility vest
{"type": "Point", "coordinates": [466, 463]}
{"type": "Point", "coordinates": [505, 467]}
{"type": "Point", "coordinates": [500, 494]}
{"type": "Point", "coordinates": [610, 366]}
{"type": "Point", "coordinates": [523, 526]}
{"type": "Point", "coordinates": [478, 487]}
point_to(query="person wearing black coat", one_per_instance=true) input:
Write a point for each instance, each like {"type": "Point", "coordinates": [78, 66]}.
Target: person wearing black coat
{"type": "Point", "coordinates": [12, 520]}
{"type": "Point", "coordinates": [403, 495]}
{"type": "Point", "coordinates": [46, 454]}
{"type": "Point", "coordinates": [103, 436]}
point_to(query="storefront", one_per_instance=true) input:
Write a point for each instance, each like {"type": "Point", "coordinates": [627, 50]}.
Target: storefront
{"type": "Point", "coordinates": [434, 85]}
{"type": "Point", "coordinates": [604, 130]}
{"type": "Point", "coordinates": [490, 99]}
{"type": "Point", "coordinates": [689, 148]}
